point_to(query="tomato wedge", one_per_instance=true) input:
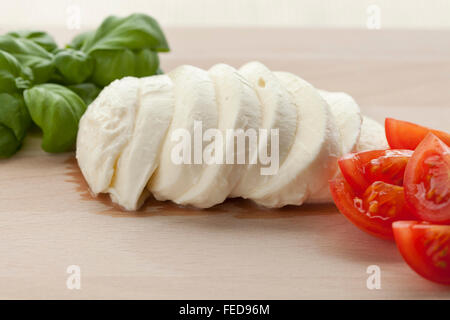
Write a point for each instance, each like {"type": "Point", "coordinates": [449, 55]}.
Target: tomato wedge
{"type": "Point", "coordinates": [406, 135]}
{"type": "Point", "coordinates": [425, 247]}
{"type": "Point", "coordinates": [363, 168]}
{"type": "Point", "coordinates": [427, 181]}
{"type": "Point", "coordinates": [373, 212]}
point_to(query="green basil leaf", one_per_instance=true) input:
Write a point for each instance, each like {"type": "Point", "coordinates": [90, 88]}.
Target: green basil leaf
{"type": "Point", "coordinates": [116, 64]}
{"type": "Point", "coordinates": [137, 31]}
{"type": "Point", "coordinates": [14, 123]}
{"type": "Point", "coordinates": [57, 78]}
{"type": "Point", "coordinates": [86, 91]}
{"type": "Point", "coordinates": [14, 114]}
{"type": "Point", "coordinates": [9, 144]}
{"type": "Point", "coordinates": [111, 65]}
{"type": "Point", "coordinates": [13, 76]}
{"type": "Point", "coordinates": [147, 63]}
{"type": "Point", "coordinates": [75, 66]}
{"type": "Point", "coordinates": [30, 55]}
{"type": "Point", "coordinates": [41, 38]}
{"type": "Point", "coordinates": [79, 40]}
{"type": "Point", "coordinates": [57, 111]}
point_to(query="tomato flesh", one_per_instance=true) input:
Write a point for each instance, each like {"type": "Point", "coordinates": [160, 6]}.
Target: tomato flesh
{"type": "Point", "coordinates": [363, 168]}
{"type": "Point", "coordinates": [427, 181]}
{"type": "Point", "coordinates": [374, 211]}
{"type": "Point", "coordinates": [406, 135]}
{"type": "Point", "coordinates": [425, 247]}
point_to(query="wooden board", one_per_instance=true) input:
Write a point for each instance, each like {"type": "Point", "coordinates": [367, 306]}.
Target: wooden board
{"type": "Point", "coordinates": [49, 221]}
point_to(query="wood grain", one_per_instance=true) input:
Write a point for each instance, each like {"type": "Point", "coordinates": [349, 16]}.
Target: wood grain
{"type": "Point", "coordinates": [237, 250]}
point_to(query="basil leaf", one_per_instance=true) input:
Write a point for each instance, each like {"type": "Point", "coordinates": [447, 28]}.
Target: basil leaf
{"type": "Point", "coordinates": [79, 40]}
{"type": "Point", "coordinates": [41, 38]}
{"type": "Point", "coordinates": [75, 66]}
{"type": "Point", "coordinates": [57, 111]}
{"type": "Point", "coordinates": [9, 144]}
{"type": "Point", "coordinates": [14, 123]}
{"type": "Point", "coordinates": [147, 63]}
{"type": "Point", "coordinates": [111, 65]}
{"type": "Point", "coordinates": [86, 91]}
{"type": "Point", "coordinates": [13, 76]}
{"type": "Point", "coordinates": [137, 31]}
{"type": "Point", "coordinates": [30, 55]}
{"type": "Point", "coordinates": [121, 47]}
{"type": "Point", "coordinates": [116, 64]}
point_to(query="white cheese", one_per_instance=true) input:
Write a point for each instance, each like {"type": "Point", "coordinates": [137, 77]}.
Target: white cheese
{"type": "Point", "coordinates": [238, 108]}
{"type": "Point", "coordinates": [348, 119]}
{"type": "Point", "coordinates": [140, 157]}
{"type": "Point", "coordinates": [195, 100]}
{"type": "Point", "coordinates": [347, 116]}
{"type": "Point", "coordinates": [127, 137]}
{"type": "Point", "coordinates": [372, 136]}
{"type": "Point", "coordinates": [278, 112]}
{"type": "Point", "coordinates": [105, 130]}
{"type": "Point", "coordinates": [313, 154]}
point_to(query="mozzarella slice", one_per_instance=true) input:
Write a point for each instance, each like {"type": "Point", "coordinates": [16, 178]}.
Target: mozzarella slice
{"type": "Point", "coordinates": [314, 152]}
{"type": "Point", "coordinates": [347, 116]}
{"type": "Point", "coordinates": [105, 130]}
{"type": "Point", "coordinates": [348, 119]}
{"type": "Point", "coordinates": [194, 101]}
{"type": "Point", "coordinates": [278, 112]}
{"type": "Point", "coordinates": [238, 108]}
{"type": "Point", "coordinates": [372, 136]}
{"type": "Point", "coordinates": [140, 157]}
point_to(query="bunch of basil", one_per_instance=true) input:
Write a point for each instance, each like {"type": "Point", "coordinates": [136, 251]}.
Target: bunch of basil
{"type": "Point", "coordinates": [51, 87]}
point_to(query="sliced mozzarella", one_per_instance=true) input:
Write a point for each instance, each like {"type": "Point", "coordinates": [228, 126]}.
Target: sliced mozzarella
{"type": "Point", "coordinates": [127, 137]}
{"type": "Point", "coordinates": [313, 154]}
{"type": "Point", "coordinates": [372, 136]}
{"type": "Point", "coordinates": [347, 116]}
{"type": "Point", "coordinates": [239, 108]}
{"type": "Point", "coordinates": [105, 130]}
{"type": "Point", "coordinates": [278, 112]}
{"type": "Point", "coordinates": [348, 119]}
{"type": "Point", "coordinates": [194, 101]}
{"type": "Point", "coordinates": [140, 157]}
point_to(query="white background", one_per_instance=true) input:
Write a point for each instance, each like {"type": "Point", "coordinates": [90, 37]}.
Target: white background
{"type": "Point", "coordinates": [410, 14]}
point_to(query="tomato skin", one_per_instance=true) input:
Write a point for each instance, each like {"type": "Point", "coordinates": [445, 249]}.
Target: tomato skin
{"type": "Point", "coordinates": [407, 135]}
{"type": "Point", "coordinates": [427, 181]}
{"type": "Point", "coordinates": [375, 210]}
{"type": "Point", "coordinates": [426, 248]}
{"type": "Point", "coordinates": [363, 168]}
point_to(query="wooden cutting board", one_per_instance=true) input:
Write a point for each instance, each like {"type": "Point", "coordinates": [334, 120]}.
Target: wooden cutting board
{"type": "Point", "coordinates": [49, 221]}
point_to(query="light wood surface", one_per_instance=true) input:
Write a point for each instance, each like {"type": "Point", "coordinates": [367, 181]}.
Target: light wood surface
{"type": "Point", "coordinates": [49, 221]}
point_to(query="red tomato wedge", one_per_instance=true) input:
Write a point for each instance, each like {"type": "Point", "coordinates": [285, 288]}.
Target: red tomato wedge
{"type": "Point", "coordinates": [426, 248]}
{"type": "Point", "coordinates": [373, 212]}
{"type": "Point", "coordinates": [427, 181]}
{"type": "Point", "coordinates": [363, 168]}
{"type": "Point", "coordinates": [406, 135]}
